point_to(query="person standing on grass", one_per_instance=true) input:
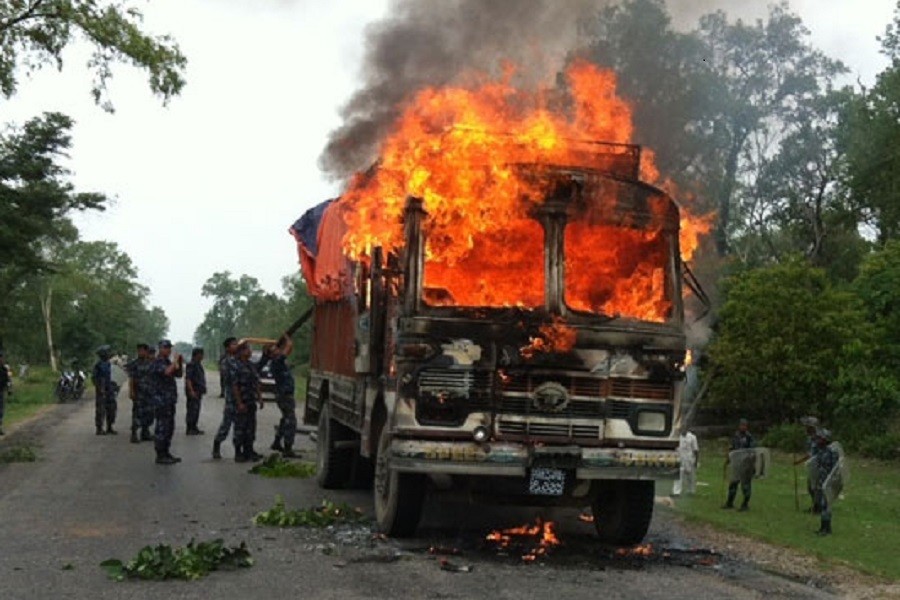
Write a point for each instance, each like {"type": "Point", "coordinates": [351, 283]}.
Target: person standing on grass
{"type": "Point", "coordinates": [194, 389]}
{"type": "Point", "coordinates": [689, 456]}
{"type": "Point", "coordinates": [826, 461]}
{"type": "Point", "coordinates": [741, 440]}
{"type": "Point", "coordinates": [812, 451]}
{"type": "Point", "coordinates": [4, 385]}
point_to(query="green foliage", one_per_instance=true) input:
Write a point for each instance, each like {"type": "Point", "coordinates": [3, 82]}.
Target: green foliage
{"type": "Point", "coordinates": [34, 33]}
{"type": "Point", "coordinates": [192, 562]}
{"type": "Point", "coordinates": [789, 437]}
{"type": "Point", "coordinates": [29, 395]}
{"type": "Point", "coordinates": [242, 309]}
{"type": "Point", "coordinates": [883, 447]}
{"type": "Point", "coordinates": [275, 466]}
{"type": "Point", "coordinates": [781, 339]}
{"type": "Point", "coordinates": [329, 513]}
{"type": "Point", "coordinates": [18, 454]}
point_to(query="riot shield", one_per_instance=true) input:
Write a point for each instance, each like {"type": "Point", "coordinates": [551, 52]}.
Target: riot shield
{"type": "Point", "coordinates": [741, 464]}
{"type": "Point", "coordinates": [838, 478]}
{"type": "Point", "coordinates": [812, 473]}
{"type": "Point", "coordinates": [763, 462]}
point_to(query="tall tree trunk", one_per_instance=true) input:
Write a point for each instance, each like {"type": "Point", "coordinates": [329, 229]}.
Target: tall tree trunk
{"type": "Point", "coordinates": [728, 184]}
{"type": "Point", "coordinates": [46, 306]}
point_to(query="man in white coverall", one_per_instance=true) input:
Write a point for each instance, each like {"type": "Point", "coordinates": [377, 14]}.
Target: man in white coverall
{"type": "Point", "coordinates": [689, 454]}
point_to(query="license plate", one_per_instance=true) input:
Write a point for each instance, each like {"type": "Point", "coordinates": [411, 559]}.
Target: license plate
{"type": "Point", "coordinates": [547, 482]}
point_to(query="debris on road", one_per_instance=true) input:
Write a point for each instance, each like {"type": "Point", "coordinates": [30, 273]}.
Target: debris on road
{"type": "Point", "coordinates": [192, 562]}
{"type": "Point", "coordinates": [18, 454]}
{"type": "Point", "coordinates": [448, 566]}
{"type": "Point", "coordinates": [328, 513]}
{"type": "Point", "coordinates": [276, 466]}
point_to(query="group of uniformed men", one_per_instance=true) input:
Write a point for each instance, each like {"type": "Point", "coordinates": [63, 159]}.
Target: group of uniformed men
{"type": "Point", "coordinates": [820, 451]}
{"type": "Point", "coordinates": [153, 391]}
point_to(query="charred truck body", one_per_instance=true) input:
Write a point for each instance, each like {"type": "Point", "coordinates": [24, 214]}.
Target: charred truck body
{"type": "Point", "coordinates": [565, 398]}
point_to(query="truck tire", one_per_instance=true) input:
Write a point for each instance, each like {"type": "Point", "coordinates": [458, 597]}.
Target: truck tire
{"type": "Point", "coordinates": [333, 465]}
{"type": "Point", "coordinates": [622, 511]}
{"type": "Point", "coordinates": [398, 496]}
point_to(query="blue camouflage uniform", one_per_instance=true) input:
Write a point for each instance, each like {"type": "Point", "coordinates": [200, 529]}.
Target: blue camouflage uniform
{"type": "Point", "coordinates": [197, 376]}
{"type": "Point", "coordinates": [165, 396]}
{"type": "Point", "coordinates": [827, 459]}
{"type": "Point", "coordinates": [246, 379]}
{"type": "Point", "coordinates": [227, 368]}
{"type": "Point", "coordinates": [284, 394]}
{"type": "Point", "coordinates": [105, 395]}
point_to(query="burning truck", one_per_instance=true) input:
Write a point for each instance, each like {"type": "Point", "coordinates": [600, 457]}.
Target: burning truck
{"type": "Point", "coordinates": [501, 314]}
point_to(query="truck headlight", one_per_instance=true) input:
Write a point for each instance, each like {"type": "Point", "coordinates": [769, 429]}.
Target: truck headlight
{"type": "Point", "coordinates": [651, 421]}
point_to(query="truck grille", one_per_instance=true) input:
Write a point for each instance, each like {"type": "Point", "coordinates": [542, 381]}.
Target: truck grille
{"type": "Point", "coordinates": [589, 387]}
{"type": "Point", "coordinates": [458, 383]}
{"type": "Point", "coordinates": [548, 429]}
{"type": "Point", "coordinates": [575, 409]}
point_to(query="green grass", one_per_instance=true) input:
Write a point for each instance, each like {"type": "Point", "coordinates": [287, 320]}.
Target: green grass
{"type": "Point", "coordinates": [29, 395]}
{"type": "Point", "coordinates": [866, 522]}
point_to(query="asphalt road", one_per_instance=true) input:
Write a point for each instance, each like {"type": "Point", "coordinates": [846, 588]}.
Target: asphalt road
{"type": "Point", "coordinates": [90, 498]}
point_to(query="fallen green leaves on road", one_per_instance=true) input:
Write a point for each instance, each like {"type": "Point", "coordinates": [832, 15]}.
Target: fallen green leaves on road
{"type": "Point", "coordinates": [194, 561]}
{"type": "Point", "coordinates": [18, 454]}
{"type": "Point", "coordinates": [329, 513]}
{"type": "Point", "coordinates": [276, 466]}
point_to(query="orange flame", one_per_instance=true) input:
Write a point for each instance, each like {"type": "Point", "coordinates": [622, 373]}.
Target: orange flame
{"type": "Point", "coordinates": [544, 533]}
{"type": "Point", "coordinates": [645, 550]}
{"type": "Point", "coordinates": [483, 245]}
{"type": "Point", "coordinates": [556, 337]}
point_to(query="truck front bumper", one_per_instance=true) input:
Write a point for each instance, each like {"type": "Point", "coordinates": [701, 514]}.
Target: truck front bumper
{"type": "Point", "coordinates": [505, 459]}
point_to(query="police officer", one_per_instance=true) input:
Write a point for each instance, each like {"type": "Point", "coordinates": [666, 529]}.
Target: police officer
{"type": "Point", "coordinates": [826, 460]}
{"type": "Point", "coordinates": [137, 408]}
{"type": "Point", "coordinates": [104, 397]}
{"type": "Point", "coordinates": [163, 372]}
{"type": "Point", "coordinates": [277, 355]}
{"type": "Point", "coordinates": [227, 367]}
{"type": "Point", "coordinates": [194, 389]}
{"type": "Point", "coordinates": [4, 385]}
{"type": "Point", "coordinates": [812, 450]}
{"type": "Point", "coordinates": [742, 439]}
{"type": "Point", "coordinates": [245, 391]}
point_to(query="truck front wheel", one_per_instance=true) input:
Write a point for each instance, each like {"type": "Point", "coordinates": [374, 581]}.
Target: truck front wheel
{"type": "Point", "coordinates": [622, 511]}
{"type": "Point", "coordinates": [333, 463]}
{"type": "Point", "coordinates": [398, 496]}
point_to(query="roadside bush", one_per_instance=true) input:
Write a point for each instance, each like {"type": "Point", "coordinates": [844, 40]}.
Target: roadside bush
{"type": "Point", "coordinates": [789, 437]}
{"type": "Point", "coordinates": [882, 447]}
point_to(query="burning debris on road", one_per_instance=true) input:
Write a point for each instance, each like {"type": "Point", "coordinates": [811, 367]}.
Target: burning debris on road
{"type": "Point", "coordinates": [528, 541]}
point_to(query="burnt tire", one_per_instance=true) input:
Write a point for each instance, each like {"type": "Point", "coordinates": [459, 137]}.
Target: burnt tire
{"type": "Point", "coordinates": [363, 474]}
{"type": "Point", "coordinates": [399, 497]}
{"type": "Point", "coordinates": [333, 464]}
{"type": "Point", "coordinates": [622, 511]}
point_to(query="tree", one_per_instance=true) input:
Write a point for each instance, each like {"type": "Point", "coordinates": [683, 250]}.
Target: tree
{"type": "Point", "coordinates": [781, 340]}
{"type": "Point", "coordinates": [34, 33]}
{"type": "Point", "coordinates": [871, 134]}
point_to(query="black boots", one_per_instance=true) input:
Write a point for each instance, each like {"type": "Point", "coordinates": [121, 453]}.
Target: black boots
{"type": "Point", "coordinates": [825, 528]}
{"type": "Point", "coordinates": [165, 459]}
{"type": "Point", "coordinates": [217, 446]}
{"type": "Point", "coordinates": [745, 505]}
{"type": "Point", "coordinates": [146, 436]}
{"type": "Point", "coordinates": [134, 438]}
{"type": "Point", "coordinates": [276, 445]}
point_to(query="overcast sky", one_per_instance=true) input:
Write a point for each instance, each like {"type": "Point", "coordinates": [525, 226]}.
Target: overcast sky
{"type": "Point", "coordinates": [213, 181]}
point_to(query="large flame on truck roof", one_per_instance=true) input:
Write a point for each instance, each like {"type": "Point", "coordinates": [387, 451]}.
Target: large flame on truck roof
{"type": "Point", "coordinates": [483, 246]}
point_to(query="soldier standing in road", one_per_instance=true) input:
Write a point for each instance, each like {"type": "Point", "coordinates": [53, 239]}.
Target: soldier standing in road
{"type": "Point", "coordinates": [826, 460]}
{"type": "Point", "coordinates": [194, 389]}
{"type": "Point", "coordinates": [163, 372]}
{"type": "Point", "coordinates": [742, 439]}
{"type": "Point", "coordinates": [227, 367]}
{"type": "Point", "coordinates": [689, 456]}
{"type": "Point", "coordinates": [245, 391]}
{"type": "Point", "coordinates": [4, 384]}
{"type": "Point", "coordinates": [284, 392]}
{"type": "Point", "coordinates": [137, 409]}
{"type": "Point", "coordinates": [104, 399]}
